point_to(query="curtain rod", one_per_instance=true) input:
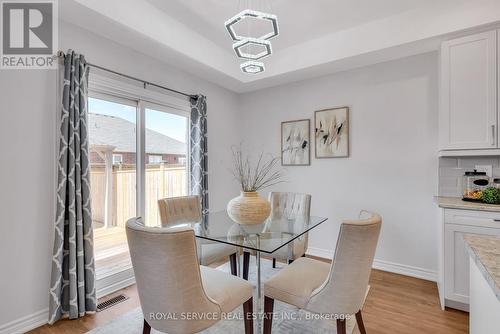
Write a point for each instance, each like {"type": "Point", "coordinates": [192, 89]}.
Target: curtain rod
{"type": "Point", "coordinates": [61, 54]}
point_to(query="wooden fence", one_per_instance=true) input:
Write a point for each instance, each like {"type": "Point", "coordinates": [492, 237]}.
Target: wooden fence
{"type": "Point", "coordinates": [160, 182]}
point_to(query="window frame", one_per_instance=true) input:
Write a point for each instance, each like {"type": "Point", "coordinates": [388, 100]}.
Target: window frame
{"type": "Point", "coordinates": [151, 161]}
{"type": "Point", "coordinates": [118, 91]}
{"type": "Point", "coordinates": [117, 155]}
{"type": "Point", "coordinates": [135, 95]}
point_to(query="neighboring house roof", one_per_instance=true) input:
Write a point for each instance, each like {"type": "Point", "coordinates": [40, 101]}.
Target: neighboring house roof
{"type": "Point", "coordinates": [120, 133]}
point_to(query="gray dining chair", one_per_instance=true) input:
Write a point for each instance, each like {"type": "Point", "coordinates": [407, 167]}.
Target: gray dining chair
{"type": "Point", "coordinates": [187, 209]}
{"type": "Point", "coordinates": [285, 205]}
{"type": "Point", "coordinates": [338, 288]}
{"type": "Point", "coordinates": [171, 281]}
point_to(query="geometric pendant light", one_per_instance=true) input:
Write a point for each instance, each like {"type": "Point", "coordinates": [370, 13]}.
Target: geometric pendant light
{"type": "Point", "coordinates": [248, 13]}
{"type": "Point", "coordinates": [250, 41]}
{"type": "Point", "coordinates": [252, 67]}
{"type": "Point", "coordinates": [250, 47]}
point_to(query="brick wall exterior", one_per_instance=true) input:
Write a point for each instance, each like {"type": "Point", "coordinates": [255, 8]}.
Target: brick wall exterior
{"type": "Point", "coordinates": [128, 158]}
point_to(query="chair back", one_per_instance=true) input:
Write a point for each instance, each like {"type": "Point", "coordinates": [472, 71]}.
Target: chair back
{"type": "Point", "coordinates": [168, 277]}
{"type": "Point", "coordinates": [345, 289]}
{"type": "Point", "coordinates": [178, 210]}
{"type": "Point", "coordinates": [289, 205]}
{"type": "Point", "coordinates": [292, 205]}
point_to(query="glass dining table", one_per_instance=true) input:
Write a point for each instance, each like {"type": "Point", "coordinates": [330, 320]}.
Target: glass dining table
{"type": "Point", "coordinates": [276, 232]}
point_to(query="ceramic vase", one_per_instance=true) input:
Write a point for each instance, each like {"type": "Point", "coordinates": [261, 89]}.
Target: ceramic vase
{"type": "Point", "coordinates": [249, 208]}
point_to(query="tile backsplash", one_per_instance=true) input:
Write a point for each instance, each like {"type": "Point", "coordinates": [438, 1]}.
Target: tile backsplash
{"type": "Point", "coordinates": [451, 170]}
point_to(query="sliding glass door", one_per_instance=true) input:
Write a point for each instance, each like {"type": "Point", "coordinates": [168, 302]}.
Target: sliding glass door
{"type": "Point", "coordinates": [165, 160]}
{"type": "Point", "coordinates": [112, 143]}
{"type": "Point", "coordinates": [138, 154]}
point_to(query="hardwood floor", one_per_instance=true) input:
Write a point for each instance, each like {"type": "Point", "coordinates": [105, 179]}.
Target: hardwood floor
{"type": "Point", "coordinates": [401, 304]}
{"type": "Point", "coordinates": [395, 304]}
{"type": "Point", "coordinates": [91, 321]}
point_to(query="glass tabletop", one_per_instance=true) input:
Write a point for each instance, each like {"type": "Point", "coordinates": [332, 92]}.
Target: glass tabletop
{"type": "Point", "coordinates": [268, 237]}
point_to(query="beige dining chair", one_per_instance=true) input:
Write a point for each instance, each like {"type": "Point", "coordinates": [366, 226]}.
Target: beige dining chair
{"type": "Point", "coordinates": [286, 205]}
{"type": "Point", "coordinates": [187, 209]}
{"type": "Point", "coordinates": [337, 289]}
{"type": "Point", "coordinates": [174, 290]}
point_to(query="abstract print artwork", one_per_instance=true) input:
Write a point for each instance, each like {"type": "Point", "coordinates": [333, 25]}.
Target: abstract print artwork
{"type": "Point", "coordinates": [332, 133]}
{"type": "Point", "coordinates": [295, 143]}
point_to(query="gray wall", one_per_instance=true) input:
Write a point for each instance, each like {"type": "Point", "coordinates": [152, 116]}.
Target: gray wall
{"type": "Point", "coordinates": [27, 169]}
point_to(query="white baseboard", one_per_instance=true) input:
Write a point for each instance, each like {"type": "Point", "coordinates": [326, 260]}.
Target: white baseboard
{"type": "Point", "coordinates": [397, 268]}
{"type": "Point", "coordinates": [40, 318]}
{"type": "Point", "coordinates": [320, 252]}
{"type": "Point", "coordinates": [26, 323]}
{"type": "Point", "coordinates": [403, 269]}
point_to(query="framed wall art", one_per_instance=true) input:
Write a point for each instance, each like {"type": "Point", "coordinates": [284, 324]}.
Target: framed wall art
{"type": "Point", "coordinates": [331, 133]}
{"type": "Point", "coordinates": [296, 143]}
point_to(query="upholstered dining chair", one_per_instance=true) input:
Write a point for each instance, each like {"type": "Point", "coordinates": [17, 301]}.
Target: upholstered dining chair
{"type": "Point", "coordinates": [172, 285]}
{"type": "Point", "coordinates": [337, 289]}
{"type": "Point", "coordinates": [187, 209]}
{"type": "Point", "coordinates": [286, 205]}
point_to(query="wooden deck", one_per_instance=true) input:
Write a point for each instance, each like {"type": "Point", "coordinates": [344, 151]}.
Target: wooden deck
{"type": "Point", "coordinates": [111, 251]}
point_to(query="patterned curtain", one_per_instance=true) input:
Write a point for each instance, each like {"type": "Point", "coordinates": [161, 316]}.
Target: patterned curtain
{"type": "Point", "coordinates": [72, 288]}
{"type": "Point", "coordinates": [199, 158]}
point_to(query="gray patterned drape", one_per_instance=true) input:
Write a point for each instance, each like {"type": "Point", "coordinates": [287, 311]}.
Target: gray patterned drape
{"type": "Point", "coordinates": [72, 287]}
{"type": "Point", "coordinates": [199, 158]}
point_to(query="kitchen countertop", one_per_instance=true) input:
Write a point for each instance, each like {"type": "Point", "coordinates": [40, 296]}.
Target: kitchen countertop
{"type": "Point", "coordinates": [457, 203]}
{"type": "Point", "coordinates": [485, 252]}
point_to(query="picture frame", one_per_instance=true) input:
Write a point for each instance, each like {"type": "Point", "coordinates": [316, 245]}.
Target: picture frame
{"type": "Point", "coordinates": [296, 143]}
{"type": "Point", "coordinates": [331, 133]}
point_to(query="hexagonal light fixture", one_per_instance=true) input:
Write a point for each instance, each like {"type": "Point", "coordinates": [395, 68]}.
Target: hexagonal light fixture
{"type": "Point", "coordinates": [252, 14]}
{"type": "Point", "coordinates": [238, 48]}
{"type": "Point", "coordinates": [252, 67]}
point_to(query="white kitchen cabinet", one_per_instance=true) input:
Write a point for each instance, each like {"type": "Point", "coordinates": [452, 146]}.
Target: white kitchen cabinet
{"type": "Point", "coordinates": [456, 259]}
{"type": "Point", "coordinates": [468, 115]}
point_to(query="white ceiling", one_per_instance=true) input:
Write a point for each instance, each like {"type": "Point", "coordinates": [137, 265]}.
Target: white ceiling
{"type": "Point", "coordinates": [299, 21]}
{"type": "Point", "coordinates": [316, 36]}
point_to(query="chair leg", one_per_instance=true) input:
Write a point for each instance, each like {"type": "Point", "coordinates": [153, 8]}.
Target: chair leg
{"type": "Point", "coordinates": [232, 260]}
{"type": "Point", "coordinates": [361, 325]}
{"type": "Point", "coordinates": [146, 329]}
{"type": "Point", "coordinates": [246, 264]}
{"type": "Point", "coordinates": [341, 329]}
{"type": "Point", "coordinates": [274, 263]}
{"type": "Point", "coordinates": [268, 314]}
{"type": "Point", "coordinates": [248, 314]}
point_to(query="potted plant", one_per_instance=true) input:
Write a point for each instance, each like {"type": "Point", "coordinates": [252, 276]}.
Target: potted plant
{"type": "Point", "coordinates": [491, 195]}
{"type": "Point", "coordinates": [249, 207]}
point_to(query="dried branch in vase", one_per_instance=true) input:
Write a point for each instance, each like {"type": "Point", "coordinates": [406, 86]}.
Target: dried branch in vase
{"type": "Point", "coordinates": [253, 178]}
